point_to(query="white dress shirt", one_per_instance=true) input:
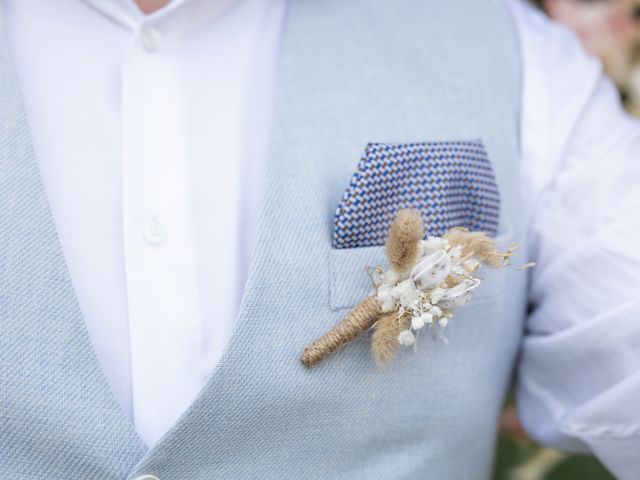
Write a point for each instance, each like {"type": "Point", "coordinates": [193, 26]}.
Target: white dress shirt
{"type": "Point", "coordinates": [579, 375]}
{"type": "Point", "coordinates": [142, 170]}
{"type": "Point", "coordinates": [144, 128]}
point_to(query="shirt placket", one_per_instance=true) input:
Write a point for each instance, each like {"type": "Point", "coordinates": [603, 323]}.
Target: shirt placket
{"type": "Point", "coordinates": [165, 318]}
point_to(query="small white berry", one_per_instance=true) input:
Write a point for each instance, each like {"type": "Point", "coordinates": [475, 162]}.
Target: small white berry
{"type": "Point", "coordinates": [437, 294]}
{"type": "Point", "coordinates": [427, 318]}
{"type": "Point", "coordinates": [417, 323]}
{"type": "Point", "coordinates": [406, 338]}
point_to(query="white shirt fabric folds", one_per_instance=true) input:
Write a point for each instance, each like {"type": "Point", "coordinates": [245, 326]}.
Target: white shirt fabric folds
{"type": "Point", "coordinates": [579, 375]}
{"type": "Point", "coordinates": [153, 173]}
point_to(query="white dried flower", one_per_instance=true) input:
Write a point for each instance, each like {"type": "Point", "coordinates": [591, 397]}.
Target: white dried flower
{"type": "Point", "coordinates": [471, 265]}
{"type": "Point", "coordinates": [422, 248]}
{"type": "Point", "coordinates": [406, 338]}
{"type": "Point", "coordinates": [458, 270]}
{"type": "Point", "coordinates": [437, 294]}
{"type": "Point", "coordinates": [433, 244]}
{"type": "Point", "coordinates": [391, 278]}
{"type": "Point", "coordinates": [456, 252]}
{"type": "Point", "coordinates": [417, 323]}
{"type": "Point", "coordinates": [427, 318]}
{"type": "Point", "coordinates": [384, 291]}
{"type": "Point", "coordinates": [406, 293]}
{"type": "Point", "coordinates": [443, 322]}
{"type": "Point", "coordinates": [460, 295]}
{"type": "Point", "coordinates": [385, 299]}
{"type": "Point", "coordinates": [432, 270]}
{"type": "Point", "coordinates": [435, 311]}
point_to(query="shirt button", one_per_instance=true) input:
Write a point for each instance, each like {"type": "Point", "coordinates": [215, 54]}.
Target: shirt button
{"type": "Point", "coordinates": [146, 477]}
{"type": "Point", "coordinates": [150, 39]}
{"type": "Point", "coordinates": [154, 232]}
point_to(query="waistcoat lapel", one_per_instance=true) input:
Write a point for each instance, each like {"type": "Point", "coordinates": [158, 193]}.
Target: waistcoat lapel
{"type": "Point", "coordinates": [58, 417]}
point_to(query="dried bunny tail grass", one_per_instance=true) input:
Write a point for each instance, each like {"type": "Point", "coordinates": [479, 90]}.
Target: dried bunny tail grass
{"type": "Point", "coordinates": [497, 259]}
{"type": "Point", "coordinates": [359, 320]}
{"type": "Point", "coordinates": [459, 236]}
{"type": "Point", "coordinates": [384, 343]}
{"type": "Point", "coordinates": [480, 246]}
{"type": "Point", "coordinates": [405, 233]}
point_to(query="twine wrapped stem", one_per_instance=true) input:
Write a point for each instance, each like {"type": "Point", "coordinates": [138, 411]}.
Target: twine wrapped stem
{"type": "Point", "coordinates": [359, 320]}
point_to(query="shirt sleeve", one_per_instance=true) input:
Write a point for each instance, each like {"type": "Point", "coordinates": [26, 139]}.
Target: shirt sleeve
{"type": "Point", "coordinates": [579, 375]}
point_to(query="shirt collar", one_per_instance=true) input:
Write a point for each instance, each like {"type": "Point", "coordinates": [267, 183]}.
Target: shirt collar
{"type": "Point", "coordinates": [127, 13]}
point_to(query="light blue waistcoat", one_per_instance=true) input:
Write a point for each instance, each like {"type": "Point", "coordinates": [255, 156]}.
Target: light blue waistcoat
{"type": "Point", "coordinates": [351, 72]}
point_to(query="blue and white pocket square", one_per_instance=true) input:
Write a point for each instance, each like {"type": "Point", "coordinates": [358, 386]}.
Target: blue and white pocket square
{"type": "Point", "coordinates": [451, 184]}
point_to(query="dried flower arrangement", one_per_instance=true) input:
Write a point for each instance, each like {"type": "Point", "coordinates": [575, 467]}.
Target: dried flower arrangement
{"type": "Point", "coordinates": [427, 281]}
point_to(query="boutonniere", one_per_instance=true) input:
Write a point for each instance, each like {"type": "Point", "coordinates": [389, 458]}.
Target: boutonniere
{"type": "Point", "coordinates": [426, 283]}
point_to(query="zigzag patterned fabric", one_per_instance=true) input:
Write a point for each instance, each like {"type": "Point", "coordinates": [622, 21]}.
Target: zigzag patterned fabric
{"type": "Point", "coordinates": [451, 183]}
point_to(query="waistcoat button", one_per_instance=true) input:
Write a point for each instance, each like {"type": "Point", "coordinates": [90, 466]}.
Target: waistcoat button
{"type": "Point", "coordinates": [146, 477]}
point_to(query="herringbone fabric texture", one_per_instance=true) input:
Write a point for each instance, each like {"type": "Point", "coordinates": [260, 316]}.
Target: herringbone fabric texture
{"type": "Point", "coordinates": [451, 183]}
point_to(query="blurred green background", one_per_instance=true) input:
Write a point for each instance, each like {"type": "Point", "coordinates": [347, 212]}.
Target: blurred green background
{"type": "Point", "coordinates": [524, 460]}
